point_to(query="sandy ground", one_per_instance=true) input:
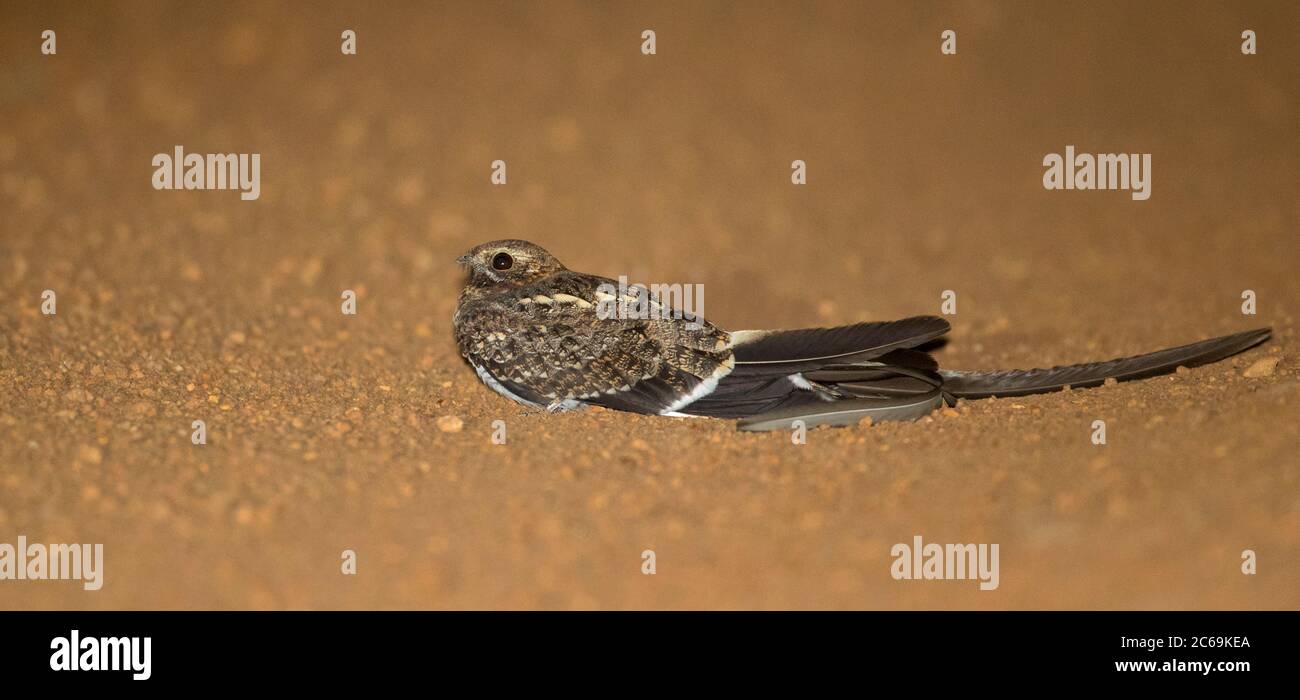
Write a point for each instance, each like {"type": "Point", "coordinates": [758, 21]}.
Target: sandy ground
{"type": "Point", "coordinates": [924, 175]}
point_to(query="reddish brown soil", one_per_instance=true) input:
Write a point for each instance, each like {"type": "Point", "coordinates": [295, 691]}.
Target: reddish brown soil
{"type": "Point", "coordinates": [924, 175]}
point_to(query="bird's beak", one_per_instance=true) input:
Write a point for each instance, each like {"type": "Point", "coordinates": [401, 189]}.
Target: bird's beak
{"type": "Point", "coordinates": [464, 260]}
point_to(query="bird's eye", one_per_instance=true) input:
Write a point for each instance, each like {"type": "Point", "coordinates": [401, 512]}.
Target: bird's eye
{"type": "Point", "coordinates": [502, 261]}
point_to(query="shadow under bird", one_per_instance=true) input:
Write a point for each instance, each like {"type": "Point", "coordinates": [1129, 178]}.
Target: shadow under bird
{"type": "Point", "coordinates": [534, 331]}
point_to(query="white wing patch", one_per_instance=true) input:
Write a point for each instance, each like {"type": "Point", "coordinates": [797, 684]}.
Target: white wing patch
{"type": "Point", "coordinates": [799, 381]}
{"type": "Point", "coordinates": [701, 390]}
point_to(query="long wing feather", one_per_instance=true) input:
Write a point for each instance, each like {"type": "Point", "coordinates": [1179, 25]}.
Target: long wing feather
{"type": "Point", "coordinates": [787, 352]}
{"type": "Point", "coordinates": [845, 412]}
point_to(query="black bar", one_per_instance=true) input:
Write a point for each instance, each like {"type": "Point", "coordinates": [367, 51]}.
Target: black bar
{"type": "Point", "coordinates": [236, 648]}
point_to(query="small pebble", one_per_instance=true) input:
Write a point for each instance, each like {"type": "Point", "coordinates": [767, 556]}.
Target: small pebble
{"type": "Point", "coordinates": [1262, 368]}
{"type": "Point", "coordinates": [450, 424]}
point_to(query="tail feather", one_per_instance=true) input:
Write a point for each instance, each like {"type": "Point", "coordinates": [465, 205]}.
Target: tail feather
{"type": "Point", "coordinates": [794, 378]}
{"type": "Point", "coordinates": [1017, 382]}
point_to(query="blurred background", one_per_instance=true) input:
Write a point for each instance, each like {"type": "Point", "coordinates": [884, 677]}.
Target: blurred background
{"type": "Point", "coordinates": [924, 174]}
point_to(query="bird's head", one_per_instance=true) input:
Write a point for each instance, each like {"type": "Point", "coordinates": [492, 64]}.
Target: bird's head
{"type": "Point", "coordinates": [507, 263]}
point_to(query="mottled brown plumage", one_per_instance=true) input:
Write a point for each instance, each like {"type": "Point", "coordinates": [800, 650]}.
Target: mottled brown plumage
{"type": "Point", "coordinates": [534, 329]}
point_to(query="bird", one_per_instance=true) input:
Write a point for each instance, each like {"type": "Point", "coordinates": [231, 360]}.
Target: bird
{"type": "Point", "coordinates": [550, 338]}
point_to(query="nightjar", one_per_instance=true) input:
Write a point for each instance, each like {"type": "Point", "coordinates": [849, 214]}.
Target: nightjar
{"type": "Point", "coordinates": [543, 335]}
